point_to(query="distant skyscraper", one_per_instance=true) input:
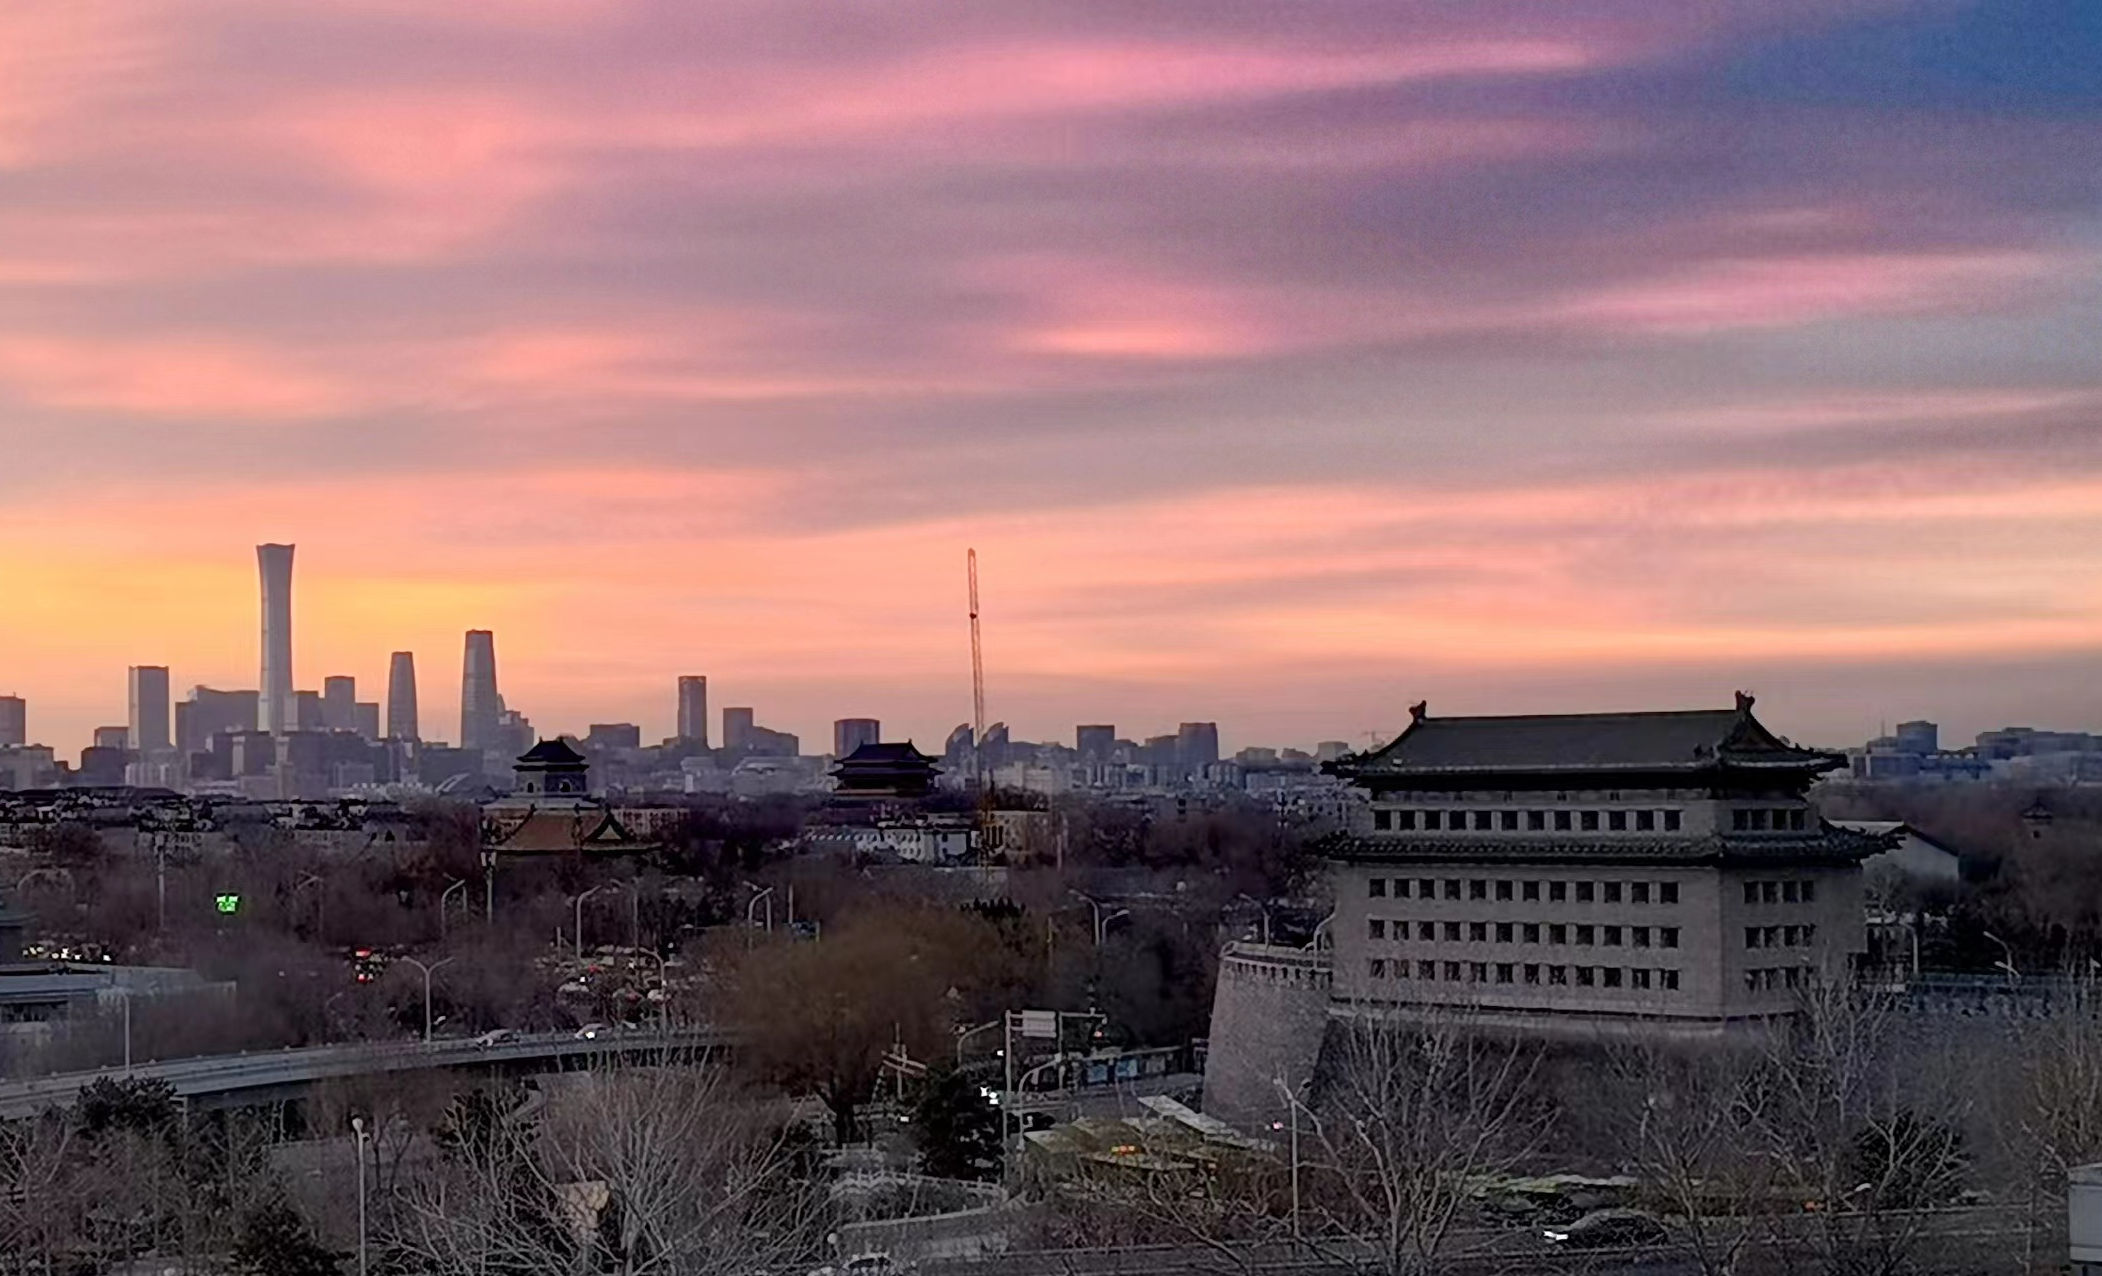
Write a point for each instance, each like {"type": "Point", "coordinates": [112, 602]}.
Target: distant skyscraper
{"type": "Point", "coordinates": [339, 703]}
{"type": "Point", "coordinates": [401, 696]}
{"type": "Point", "coordinates": [274, 708]}
{"type": "Point", "coordinates": [306, 712]}
{"type": "Point", "coordinates": [365, 719]}
{"type": "Point", "coordinates": [737, 729]}
{"type": "Point", "coordinates": [149, 708]}
{"type": "Point", "coordinates": [208, 713]}
{"type": "Point", "coordinates": [693, 709]}
{"type": "Point", "coordinates": [1196, 746]}
{"type": "Point", "coordinates": [118, 738]}
{"type": "Point", "coordinates": [1096, 742]}
{"type": "Point", "coordinates": [14, 721]}
{"type": "Point", "coordinates": [849, 734]}
{"type": "Point", "coordinates": [481, 709]}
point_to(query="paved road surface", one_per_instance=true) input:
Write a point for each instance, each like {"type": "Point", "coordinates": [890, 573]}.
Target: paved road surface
{"type": "Point", "coordinates": [264, 1070]}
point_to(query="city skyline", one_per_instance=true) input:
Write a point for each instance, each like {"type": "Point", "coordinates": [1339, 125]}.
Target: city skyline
{"type": "Point", "coordinates": [1282, 372]}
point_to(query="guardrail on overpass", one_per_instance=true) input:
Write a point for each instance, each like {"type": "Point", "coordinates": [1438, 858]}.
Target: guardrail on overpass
{"type": "Point", "coordinates": [220, 1075]}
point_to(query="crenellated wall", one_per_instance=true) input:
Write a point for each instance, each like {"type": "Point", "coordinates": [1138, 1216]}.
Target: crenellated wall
{"type": "Point", "coordinates": [1269, 1014]}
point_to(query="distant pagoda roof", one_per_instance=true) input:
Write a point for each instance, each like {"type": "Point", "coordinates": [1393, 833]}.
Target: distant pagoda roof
{"type": "Point", "coordinates": [555, 752]}
{"type": "Point", "coordinates": [1687, 743]}
{"type": "Point", "coordinates": [896, 755]}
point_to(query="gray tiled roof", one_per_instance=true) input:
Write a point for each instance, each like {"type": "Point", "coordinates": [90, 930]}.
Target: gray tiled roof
{"type": "Point", "coordinates": [1685, 740]}
{"type": "Point", "coordinates": [1830, 844]}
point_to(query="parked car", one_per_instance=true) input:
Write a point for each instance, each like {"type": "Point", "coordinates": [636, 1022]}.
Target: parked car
{"type": "Point", "coordinates": [592, 1032]}
{"type": "Point", "coordinates": [495, 1037]}
{"type": "Point", "coordinates": [1608, 1229]}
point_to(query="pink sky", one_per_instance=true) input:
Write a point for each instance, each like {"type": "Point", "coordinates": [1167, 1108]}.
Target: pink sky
{"type": "Point", "coordinates": [1284, 367]}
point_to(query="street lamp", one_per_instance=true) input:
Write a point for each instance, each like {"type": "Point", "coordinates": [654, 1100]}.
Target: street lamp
{"type": "Point", "coordinates": [320, 904]}
{"type": "Point", "coordinates": [459, 885]}
{"type": "Point", "coordinates": [1292, 1101]}
{"type": "Point", "coordinates": [578, 904]}
{"type": "Point", "coordinates": [427, 972]}
{"type": "Point", "coordinates": [2013, 975]}
{"type": "Point", "coordinates": [1102, 920]}
{"type": "Point", "coordinates": [750, 908]}
{"type": "Point", "coordinates": [968, 1033]}
{"type": "Point", "coordinates": [1265, 907]}
{"type": "Point", "coordinates": [357, 1129]}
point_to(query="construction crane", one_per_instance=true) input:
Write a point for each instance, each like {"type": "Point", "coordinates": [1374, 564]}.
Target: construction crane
{"type": "Point", "coordinates": [977, 679]}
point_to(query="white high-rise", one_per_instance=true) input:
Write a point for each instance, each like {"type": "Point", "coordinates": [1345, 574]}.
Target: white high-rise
{"type": "Point", "coordinates": [275, 711]}
{"type": "Point", "coordinates": [149, 709]}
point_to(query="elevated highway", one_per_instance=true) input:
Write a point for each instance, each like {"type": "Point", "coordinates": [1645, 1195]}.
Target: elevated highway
{"type": "Point", "coordinates": [232, 1080]}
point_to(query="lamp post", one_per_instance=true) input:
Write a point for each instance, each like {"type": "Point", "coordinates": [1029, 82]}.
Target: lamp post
{"type": "Point", "coordinates": [768, 895]}
{"type": "Point", "coordinates": [1102, 920]}
{"type": "Point", "coordinates": [357, 1128]}
{"type": "Point", "coordinates": [578, 904]}
{"type": "Point", "coordinates": [1265, 911]}
{"type": "Point", "coordinates": [1291, 1098]}
{"type": "Point", "coordinates": [2013, 975]}
{"type": "Point", "coordinates": [459, 885]}
{"type": "Point", "coordinates": [488, 858]}
{"type": "Point", "coordinates": [968, 1033]}
{"type": "Point", "coordinates": [427, 972]}
{"type": "Point", "coordinates": [320, 903]}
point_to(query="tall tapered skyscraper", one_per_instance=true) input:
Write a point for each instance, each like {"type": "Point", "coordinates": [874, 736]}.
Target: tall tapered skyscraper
{"type": "Point", "coordinates": [480, 709]}
{"type": "Point", "coordinates": [693, 709]}
{"type": "Point", "coordinates": [274, 706]}
{"type": "Point", "coordinates": [401, 696]}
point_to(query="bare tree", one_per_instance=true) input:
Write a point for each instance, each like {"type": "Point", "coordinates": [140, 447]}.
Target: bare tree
{"type": "Point", "coordinates": [1858, 1130]}
{"type": "Point", "coordinates": [650, 1172]}
{"type": "Point", "coordinates": [1689, 1110]}
{"type": "Point", "coordinates": [1410, 1116]}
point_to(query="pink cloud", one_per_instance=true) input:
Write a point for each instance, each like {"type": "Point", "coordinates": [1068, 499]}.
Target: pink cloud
{"type": "Point", "coordinates": [173, 377]}
{"type": "Point", "coordinates": [1791, 291]}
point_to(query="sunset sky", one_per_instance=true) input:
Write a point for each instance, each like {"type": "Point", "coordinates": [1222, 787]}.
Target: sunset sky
{"type": "Point", "coordinates": [1285, 362]}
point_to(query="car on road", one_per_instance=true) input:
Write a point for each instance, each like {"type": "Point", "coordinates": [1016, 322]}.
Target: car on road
{"type": "Point", "coordinates": [495, 1037]}
{"type": "Point", "coordinates": [1608, 1229]}
{"type": "Point", "coordinates": [592, 1032]}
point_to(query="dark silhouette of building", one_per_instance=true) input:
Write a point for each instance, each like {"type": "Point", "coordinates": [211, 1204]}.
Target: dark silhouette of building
{"type": "Point", "coordinates": [275, 706]}
{"type": "Point", "coordinates": [1196, 746]}
{"type": "Point", "coordinates": [613, 735]}
{"type": "Point", "coordinates": [339, 703]}
{"type": "Point", "coordinates": [892, 772]}
{"type": "Point", "coordinates": [849, 734]}
{"type": "Point", "coordinates": [1095, 743]}
{"type": "Point", "coordinates": [14, 722]}
{"type": "Point", "coordinates": [209, 713]}
{"type": "Point", "coordinates": [401, 696]}
{"type": "Point", "coordinates": [148, 688]}
{"type": "Point", "coordinates": [737, 729]}
{"type": "Point", "coordinates": [481, 708]}
{"type": "Point", "coordinates": [365, 719]}
{"type": "Point", "coordinates": [693, 709]}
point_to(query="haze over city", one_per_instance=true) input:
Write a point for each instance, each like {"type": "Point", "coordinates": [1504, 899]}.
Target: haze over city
{"type": "Point", "coordinates": [1283, 368]}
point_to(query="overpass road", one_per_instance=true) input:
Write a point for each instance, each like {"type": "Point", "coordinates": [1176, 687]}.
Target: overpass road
{"type": "Point", "coordinates": [279, 1073]}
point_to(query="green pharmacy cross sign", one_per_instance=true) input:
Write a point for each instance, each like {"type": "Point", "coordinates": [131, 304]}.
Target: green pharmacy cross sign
{"type": "Point", "coordinates": [227, 902]}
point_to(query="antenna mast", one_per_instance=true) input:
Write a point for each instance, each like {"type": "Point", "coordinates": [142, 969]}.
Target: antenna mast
{"type": "Point", "coordinates": [977, 679]}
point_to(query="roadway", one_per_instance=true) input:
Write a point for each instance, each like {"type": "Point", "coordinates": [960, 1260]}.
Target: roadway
{"type": "Point", "coordinates": [1967, 1241]}
{"type": "Point", "coordinates": [265, 1075]}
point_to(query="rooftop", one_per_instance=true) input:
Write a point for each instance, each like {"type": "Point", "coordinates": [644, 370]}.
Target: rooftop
{"type": "Point", "coordinates": [1687, 740]}
{"type": "Point", "coordinates": [554, 752]}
